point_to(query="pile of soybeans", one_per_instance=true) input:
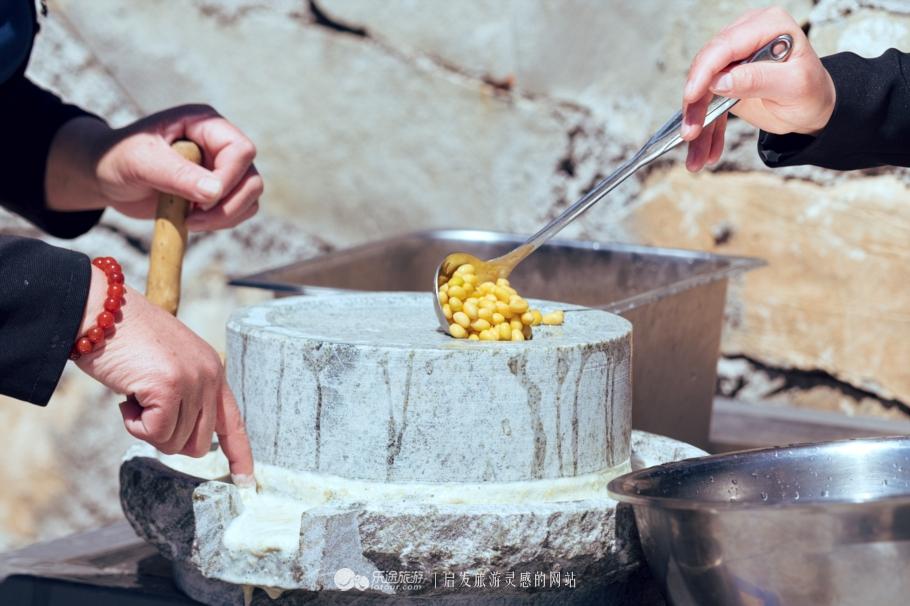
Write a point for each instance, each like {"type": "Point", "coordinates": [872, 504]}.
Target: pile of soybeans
{"type": "Point", "coordinates": [488, 311]}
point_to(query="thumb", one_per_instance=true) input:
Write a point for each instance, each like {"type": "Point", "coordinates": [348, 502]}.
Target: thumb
{"type": "Point", "coordinates": [760, 80]}
{"type": "Point", "coordinates": [165, 170]}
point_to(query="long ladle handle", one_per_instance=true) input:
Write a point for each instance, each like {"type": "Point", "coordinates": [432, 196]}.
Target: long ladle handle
{"type": "Point", "coordinates": [665, 139]}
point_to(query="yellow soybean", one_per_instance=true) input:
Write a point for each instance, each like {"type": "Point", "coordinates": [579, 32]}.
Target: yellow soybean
{"type": "Point", "coordinates": [480, 325]}
{"type": "Point", "coordinates": [462, 318]}
{"type": "Point", "coordinates": [488, 311]}
{"type": "Point", "coordinates": [553, 318]}
{"type": "Point", "coordinates": [518, 306]}
{"type": "Point", "coordinates": [470, 308]}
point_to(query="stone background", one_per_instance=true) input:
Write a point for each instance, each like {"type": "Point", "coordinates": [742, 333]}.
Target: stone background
{"type": "Point", "coordinates": [374, 118]}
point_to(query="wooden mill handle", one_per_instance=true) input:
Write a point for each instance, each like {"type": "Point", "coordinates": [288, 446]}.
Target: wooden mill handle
{"type": "Point", "coordinates": [169, 241]}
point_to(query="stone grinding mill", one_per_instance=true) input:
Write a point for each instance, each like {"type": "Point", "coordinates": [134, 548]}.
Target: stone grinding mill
{"type": "Point", "coordinates": [396, 464]}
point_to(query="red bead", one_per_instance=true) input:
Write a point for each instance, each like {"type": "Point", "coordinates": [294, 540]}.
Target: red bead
{"type": "Point", "coordinates": [109, 260]}
{"type": "Point", "coordinates": [84, 346]}
{"type": "Point", "coordinates": [98, 262]}
{"type": "Point", "coordinates": [111, 304]}
{"type": "Point", "coordinates": [115, 277]}
{"type": "Point", "coordinates": [95, 335]}
{"type": "Point", "coordinates": [105, 319]}
{"type": "Point", "coordinates": [115, 290]}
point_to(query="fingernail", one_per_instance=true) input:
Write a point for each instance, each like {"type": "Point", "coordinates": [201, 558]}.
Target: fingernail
{"type": "Point", "coordinates": [685, 130]}
{"type": "Point", "coordinates": [243, 480]}
{"type": "Point", "coordinates": [209, 186]}
{"type": "Point", "coordinates": [724, 84]}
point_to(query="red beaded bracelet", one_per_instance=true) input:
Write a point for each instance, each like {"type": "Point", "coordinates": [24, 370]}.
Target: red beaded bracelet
{"type": "Point", "coordinates": [94, 336]}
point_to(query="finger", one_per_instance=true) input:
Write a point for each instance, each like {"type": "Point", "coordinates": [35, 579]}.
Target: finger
{"type": "Point", "coordinates": [717, 141]}
{"type": "Point", "coordinates": [735, 44]}
{"type": "Point", "coordinates": [163, 169]}
{"type": "Point", "coordinates": [153, 424]}
{"type": "Point", "coordinates": [218, 223]}
{"type": "Point", "coordinates": [698, 149]}
{"type": "Point", "coordinates": [200, 440]}
{"type": "Point", "coordinates": [188, 418]}
{"type": "Point", "coordinates": [777, 82]}
{"type": "Point", "coordinates": [190, 408]}
{"type": "Point", "coordinates": [227, 150]}
{"type": "Point", "coordinates": [694, 118]}
{"type": "Point", "coordinates": [233, 208]}
{"type": "Point", "coordinates": [233, 439]}
{"type": "Point", "coordinates": [132, 419]}
{"type": "Point", "coordinates": [193, 446]}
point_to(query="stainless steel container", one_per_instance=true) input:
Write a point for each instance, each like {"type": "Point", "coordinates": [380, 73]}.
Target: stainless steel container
{"type": "Point", "coordinates": [816, 524]}
{"type": "Point", "coordinates": [674, 299]}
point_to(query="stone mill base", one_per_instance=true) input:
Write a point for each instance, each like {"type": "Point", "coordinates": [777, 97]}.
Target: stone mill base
{"type": "Point", "coordinates": [343, 547]}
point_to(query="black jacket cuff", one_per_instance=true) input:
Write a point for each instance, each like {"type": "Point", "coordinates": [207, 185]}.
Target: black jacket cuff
{"type": "Point", "coordinates": [43, 291]}
{"type": "Point", "coordinates": [869, 125]}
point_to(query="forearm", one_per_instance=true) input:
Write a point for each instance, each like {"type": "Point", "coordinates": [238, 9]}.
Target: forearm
{"type": "Point", "coordinates": [30, 119]}
{"type": "Point", "coordinates": [71, 182]}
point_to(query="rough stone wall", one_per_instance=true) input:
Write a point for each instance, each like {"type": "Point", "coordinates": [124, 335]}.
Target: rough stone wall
{"type": "Point", "coordinates": [376, 118]}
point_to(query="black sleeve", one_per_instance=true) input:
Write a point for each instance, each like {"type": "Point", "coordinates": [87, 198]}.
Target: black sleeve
{"type": "Point", "coordinates": [870, 125]}
{"type": "Point", "coordinates": [29, 119]}
{"type": "Point", "coordinates": [43, 290]}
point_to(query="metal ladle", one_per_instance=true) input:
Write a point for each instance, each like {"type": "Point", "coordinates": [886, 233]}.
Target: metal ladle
{"type": "Point", "coordinates": [665, 139]}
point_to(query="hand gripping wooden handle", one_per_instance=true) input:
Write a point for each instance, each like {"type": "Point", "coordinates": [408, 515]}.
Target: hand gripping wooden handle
{"type": "Point", "coordinates": [169, 241]}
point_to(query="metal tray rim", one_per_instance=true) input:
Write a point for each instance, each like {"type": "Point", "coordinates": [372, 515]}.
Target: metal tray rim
{"type": "Point", "coordinates": [735, 264]}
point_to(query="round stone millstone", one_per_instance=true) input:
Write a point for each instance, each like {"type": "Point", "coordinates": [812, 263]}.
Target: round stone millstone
{"type": "Point", "coordinates": [365, 386]}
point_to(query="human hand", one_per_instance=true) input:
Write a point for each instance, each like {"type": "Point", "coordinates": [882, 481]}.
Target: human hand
{"type": "Point", "coordinates": [175, 383]}
{"type": "Point", "coordinates": [795, 96]}
{"type": "Point", "coordinates": [93, 166]}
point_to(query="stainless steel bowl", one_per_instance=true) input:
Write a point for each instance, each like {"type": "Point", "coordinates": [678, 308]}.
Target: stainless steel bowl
{"type": "Point", "coordinates": [812, 524]}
